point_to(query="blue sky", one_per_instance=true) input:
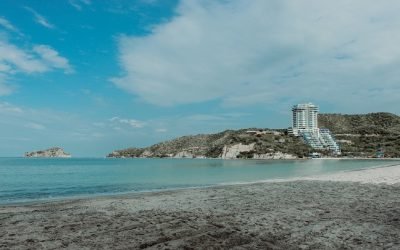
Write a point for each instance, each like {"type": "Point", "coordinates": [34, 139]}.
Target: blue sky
{"type": "Point", "coordinates": [93, 76]}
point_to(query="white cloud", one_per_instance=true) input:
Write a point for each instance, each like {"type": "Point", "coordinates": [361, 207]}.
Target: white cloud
{"type": "Point", "coordinates": [77, 4]}
{"type": "Point", "coordinates": [161, 130]}
{"type": "Point", "coordinates": [15, 59]}
{"type": "Point", "coordinates": [266, 52]}
{"type": "Point", "coordinates": [40, 19]}
{"type": "Point", "coordinates": [52, 58]}
{"type": "Point", "coordinates": [40, 59]}
{"type": "Point", "coordinates": [7, 25]}
{"type": "Point", "coordinates": [131, 122]}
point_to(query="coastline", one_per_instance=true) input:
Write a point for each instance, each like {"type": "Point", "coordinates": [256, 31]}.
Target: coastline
{"type": "Point", "coordinates": [308, 213]}
{"type": "Point", "coordinates": [258, 159]}
{"type": "Point", "coordinates": [339, 176]}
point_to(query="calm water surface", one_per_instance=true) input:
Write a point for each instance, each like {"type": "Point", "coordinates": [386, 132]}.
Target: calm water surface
{"type": "Point", "coordinates": [28, 179]}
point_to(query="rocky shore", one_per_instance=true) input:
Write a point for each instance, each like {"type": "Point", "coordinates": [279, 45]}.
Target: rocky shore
{"type": "Point", "coordinates": [302, 214]}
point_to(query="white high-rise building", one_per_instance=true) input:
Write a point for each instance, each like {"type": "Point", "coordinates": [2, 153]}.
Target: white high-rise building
{"type": "Point", "coordinates": [305, 125]}
{"type": "Point", "coordinates": [305, 118]}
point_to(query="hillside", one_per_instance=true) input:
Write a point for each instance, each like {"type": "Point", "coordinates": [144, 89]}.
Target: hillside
{"type": "Point", "coordinates": [244, 143]}
{"type": "Point", "coordinates": [363, 135]}
{"type": "Point", "coordinates": [373, 123]}
{"type": "Point", "coordinates": [357, 135]}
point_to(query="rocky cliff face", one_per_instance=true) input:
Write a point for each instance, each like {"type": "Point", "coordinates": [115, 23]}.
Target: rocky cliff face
{"type": "Point", "coordinates": [247, 151]}
{"type": "Point", "coordinates": [51, 152]}
{"type": "Point", "coordinates": [233, 151]}
{"type": "Point", "coordinates": [275, 156]}
{"type": "Point", "coordinates": [230, 144]}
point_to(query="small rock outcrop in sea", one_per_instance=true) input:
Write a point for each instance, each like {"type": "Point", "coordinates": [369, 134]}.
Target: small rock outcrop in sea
{"type": "Point", "coordinates": [55, 152]}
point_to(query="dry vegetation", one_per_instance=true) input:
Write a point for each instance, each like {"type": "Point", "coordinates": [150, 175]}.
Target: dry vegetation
{"type": "Point", "coordinates": [358, 135]}
{"type": "Point", "coordinates": [363, 135]}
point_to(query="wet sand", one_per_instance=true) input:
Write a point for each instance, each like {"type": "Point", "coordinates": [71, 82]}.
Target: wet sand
{"type": "Point", "coordinates": [311, 213]}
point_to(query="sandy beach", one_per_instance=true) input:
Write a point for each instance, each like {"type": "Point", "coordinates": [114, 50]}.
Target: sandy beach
{"type": "Point", "coordinates": [348, 210]}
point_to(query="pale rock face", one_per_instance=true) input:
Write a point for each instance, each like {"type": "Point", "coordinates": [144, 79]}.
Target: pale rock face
{"type": "Point", "coordinates": [231, 152]}
{"type": "Point", "coordinates": [274, 156]}
{"type": "Point", "coordinates": [146, 153]}
{"type": "Point", "coordinates": [345, 141]}
{"type": "Point", "coordinates": [184, 154]}
{"type": "Point", "coordinates": [48, 153]}
{"type": "Point", "coordinates": [115, 154]}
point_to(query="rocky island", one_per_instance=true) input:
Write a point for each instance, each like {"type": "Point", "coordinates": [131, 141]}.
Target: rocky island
{"type": "Point", "coordinates": [54, 152]}
{"type": "Point", "coordinates": [358, 136]}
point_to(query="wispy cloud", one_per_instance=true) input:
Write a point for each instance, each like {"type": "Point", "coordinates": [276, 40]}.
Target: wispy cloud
{"type": "Point", "coordinates": [131, 122]}
{"type": "Point", "coordinates": [77, 4]}
{"type": "Point", "coordinates": [52, 58]}
{"type": "Point", "coordinates": [40, 59]}
{"type": "Point", "coordinates": [40, 19]}
{"type": "Point", "coordinates": [7, 25]}
{"type": "Point", "coordinates": [245, 53]}
{"type": "Point", "coordinates": [15, 59]}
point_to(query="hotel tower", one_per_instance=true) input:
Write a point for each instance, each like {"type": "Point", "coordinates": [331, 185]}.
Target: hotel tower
{"type": "Point", "coordinates": [305, 125]}
{"type": "Point", "coordinates": [305, 118]}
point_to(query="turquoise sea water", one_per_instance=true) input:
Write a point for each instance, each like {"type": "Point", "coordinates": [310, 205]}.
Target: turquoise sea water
{"type": "Point", "coordinates": [29, 179]}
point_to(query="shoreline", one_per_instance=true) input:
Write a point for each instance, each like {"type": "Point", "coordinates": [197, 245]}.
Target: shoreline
{"type": "Point", "coordinates": [341, 176]}
{"type": "Point", "coordinates": [252, 159]}
{"type": "Point", "coordinates": [308, 214]}
{"type": "Point", "coordinates": [187, 158]}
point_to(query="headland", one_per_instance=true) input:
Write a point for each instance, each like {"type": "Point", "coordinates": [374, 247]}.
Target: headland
{"type": "Point", "coordinates": [373, 135]}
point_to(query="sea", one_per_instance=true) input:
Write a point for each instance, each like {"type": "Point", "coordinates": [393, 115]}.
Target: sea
{"type": "Point", "coordinates": [45, 179]}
